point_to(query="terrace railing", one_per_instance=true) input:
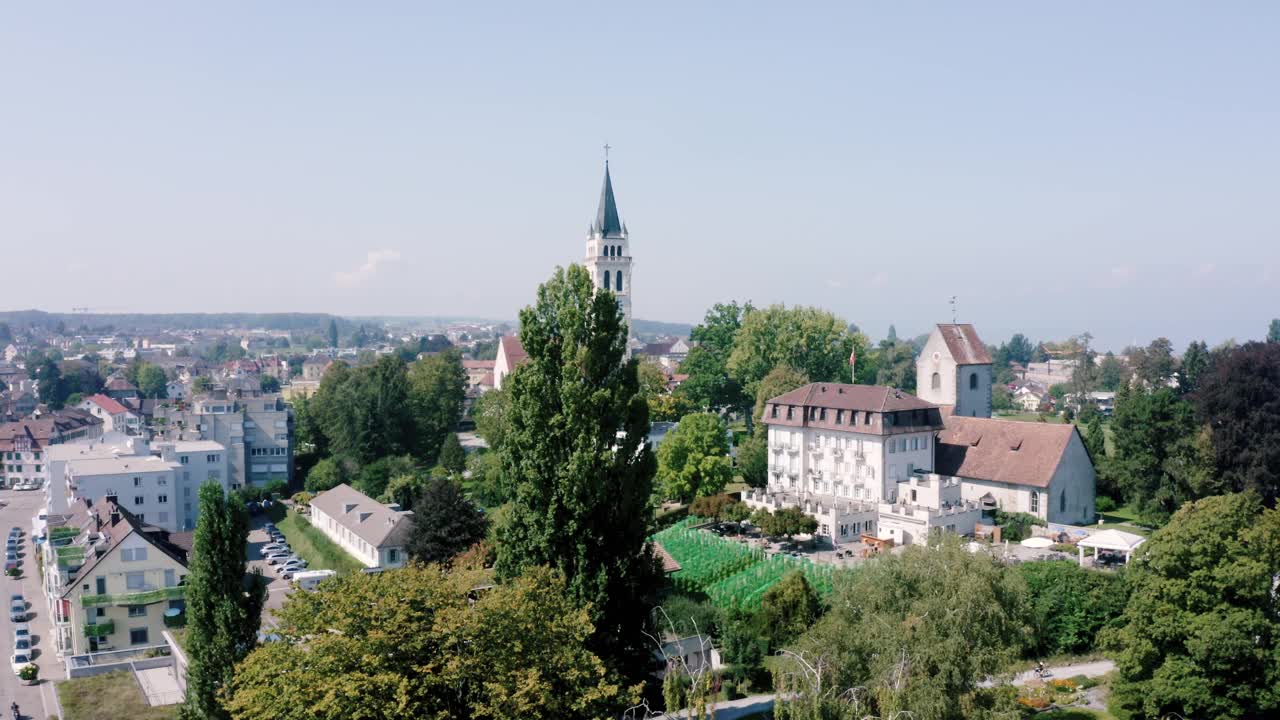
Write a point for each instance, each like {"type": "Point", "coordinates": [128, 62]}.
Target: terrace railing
{"type": "Point", "coordinates": [145, 597]}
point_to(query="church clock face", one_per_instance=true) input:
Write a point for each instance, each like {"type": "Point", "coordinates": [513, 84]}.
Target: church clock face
{"type": "Point", "coordinates": [937, 356]}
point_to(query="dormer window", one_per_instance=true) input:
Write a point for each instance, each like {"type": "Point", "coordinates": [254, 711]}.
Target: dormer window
{"type": "Point", "coordinates": [791, 412]}
{"type": "Point", "coordinates": [822, 414]}
{"type": "Point", "coordinates": [773, 411]}
{"type": "Point", "coordinates": [839, 417]}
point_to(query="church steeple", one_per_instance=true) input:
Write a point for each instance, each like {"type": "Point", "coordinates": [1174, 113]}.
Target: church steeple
{"type": "Point", "coordinates": [607, 223]}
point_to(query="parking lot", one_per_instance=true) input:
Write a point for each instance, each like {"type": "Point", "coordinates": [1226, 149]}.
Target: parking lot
{"type": "Point", "coordinates": [36, 701]}
{"type": "Point", "coordinates": [278, 589]}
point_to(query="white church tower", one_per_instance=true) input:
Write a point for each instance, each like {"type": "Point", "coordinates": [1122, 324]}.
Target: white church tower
{"type": "Point", "coordinates": [608, 253]}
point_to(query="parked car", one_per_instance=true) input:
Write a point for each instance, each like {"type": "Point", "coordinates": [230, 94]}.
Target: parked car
{"type": "Point", "coordinates": [21, 631]}
{"type": "Point", "coordinates": [18, 612]}
{"type": "Point", "coordinates": [22, 644]}
{"type": "Point", "coordinates": [16, 598]}
{"type": "Point", "coordinates": [19, 660]}
{"type": "Point", "coordinates": [288, 574]}
{"type": "Point", "coordinates": [277, 557]}
{"type": "Point", "coordinates": [293, 560]}
{"type": "Point", "coordinates": [10, 565]}
{"type": "Point", "coordinates": [11, 557]}
{"type": "Point", "coordinates": [275, 547]}
{"type": "Point", "coordinates": [269, 527]}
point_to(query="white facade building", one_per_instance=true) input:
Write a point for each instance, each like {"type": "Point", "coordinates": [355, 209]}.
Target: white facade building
{"type": "Point", "coordinates": [608, 257]}
{"type": "Point", "coordinates": [374, 533]}
{"type": "Point", "coordinates": [159, 482]}
{"type": "Point", "coordinates": [876, 461]}
{"type": "Point", "coordinates": [954, 368]}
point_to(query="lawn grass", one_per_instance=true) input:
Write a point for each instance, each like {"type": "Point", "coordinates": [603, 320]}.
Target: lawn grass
{"type": "Point", "coordinates": [320, 552]}
{"type": "Point", "coordinates": [1123, 518]}
{"type": "Point", "coordinates": [108, 696]}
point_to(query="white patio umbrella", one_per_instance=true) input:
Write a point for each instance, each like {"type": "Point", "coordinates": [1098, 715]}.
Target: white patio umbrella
{"type": "Point", "coordinates": [1038, 542]}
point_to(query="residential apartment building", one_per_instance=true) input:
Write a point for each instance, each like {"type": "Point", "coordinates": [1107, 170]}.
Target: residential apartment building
{"type": "Point", "coordinates": [111, 580]}
{"type": "Point", "coordinates": [374, 533]}
{"type": "Point", "coordinates": [158, 482]}
{"type": "Point", "coordinates": [24, 444]}
{"type": "Point", "coordinates": [255, 428]}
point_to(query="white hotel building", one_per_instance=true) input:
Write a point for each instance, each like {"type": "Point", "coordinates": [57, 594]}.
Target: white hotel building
{"type": "Point", "coordinates": [878, 461]}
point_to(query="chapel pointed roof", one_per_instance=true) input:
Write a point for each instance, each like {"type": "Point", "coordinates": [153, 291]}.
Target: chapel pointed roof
{"type": "Point", "coordinates": [607, 223]}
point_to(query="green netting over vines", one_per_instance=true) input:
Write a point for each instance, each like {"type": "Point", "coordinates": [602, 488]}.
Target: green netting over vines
{"type": "Point", "coordinates": [730, 573]}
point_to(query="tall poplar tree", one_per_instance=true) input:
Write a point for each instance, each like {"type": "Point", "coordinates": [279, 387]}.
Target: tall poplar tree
{"type": "Point", "coordinates": [580, 469]}
{"type": "Point", "coordinates": [223, 611]}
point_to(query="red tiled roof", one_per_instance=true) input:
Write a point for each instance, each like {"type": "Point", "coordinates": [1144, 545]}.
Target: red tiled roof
{"type": "Point", "coordinates": [965, 346]}
{"type": "Point", "coordinates": [510, 346]}
{"type": "Point", "coordinates": [478, 364]}
{"type": "Point", "coordinates": [1006, 451]}
{"type": "Point", "coordinates": [119, 383]}
{"type": "Point", "coordinates": [487, 380]}
{"type": "Point", "coordinates": [110, 405]}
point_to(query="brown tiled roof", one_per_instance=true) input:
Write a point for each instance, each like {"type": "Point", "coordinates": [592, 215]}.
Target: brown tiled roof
{"type": "Point", "coordinates": [510, 345]}
{"type": "Point", "coordinates": [119, 383]}
{"type": "Point", "coordinates": [487, 380]}
{"type": "Point", "coordinates": [657, 349]}
{"type": "Point", "coordinates": [965, 346]}
{"type": "Point", "coordinates": [669, 564]}
{"type": "Point", "coordinates": [1006, 451]}
{"type": "Point", "coordinates": [842, 396]}
{"type": "Point", "coordinates": [478, 364]}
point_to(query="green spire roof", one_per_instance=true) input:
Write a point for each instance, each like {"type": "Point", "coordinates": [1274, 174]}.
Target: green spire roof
{"type": "Point", "coordinates": [607, 223]}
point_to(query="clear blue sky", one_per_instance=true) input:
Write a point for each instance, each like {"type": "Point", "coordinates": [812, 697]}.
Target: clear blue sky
{"type": "Point", "coordinates": [1099, 166]}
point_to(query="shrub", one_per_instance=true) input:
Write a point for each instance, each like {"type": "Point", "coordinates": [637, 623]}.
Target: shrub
{"type": "Point", "coordinates": [302, 498]}
{"type": "Point", "coordinates": [29, 672]}
{"type": "Point", "coordinates": [1104, 504]}
{"type": "Point", "coordinates": [1070, 605]}
{"type": "Point", "coordinates": [1083, 682]}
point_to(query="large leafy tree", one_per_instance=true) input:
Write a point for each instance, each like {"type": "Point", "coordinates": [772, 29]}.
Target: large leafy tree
{"type": "Point", "coordinates": [810, 340]}
{"type": "Point", "coordinates": [577, 459]}
{"type": "Point", "coordinates": [1201, 631]}
{"type": "Point", "coordinates": [223, 610]}
{"type": "Point", "coordinates": [916, 631]}
{"type": "Point", "coordinates": [1239, 399]}
{"type": "Point", "coordinates": [1071, 605]}
{"type": "Point", "coordinates": [452, 457]}
{"type": "Point", "coordinates": [1155, 364]}
{"type": "Point", "coordinates": [1146, 427]}
{"type": "Point", "coordinates": [709, 386]}
{"type": "Point", "coordinates": [420, 643]}
{"type": "Point", "coordinates": [437, 389]}
{"type": "Point", "coordinates": [780, 380]}
{"type": "Point", "coordinates": [50, 386]}
{"type": "Point", "coordinates": [693, 458]}
{"type": "Point", "coordinates": [445, 522]}
{"type": "Point", "coordinates": [896, 365]}
{"type": "Point", "coordinates": [152, 382]}
{"type": "Point", "coordinates": [1195, 362]}
{"type": "Point", "coordinates": [490, 414]}
{"type": "Point", "coordinates": [1112, 373]}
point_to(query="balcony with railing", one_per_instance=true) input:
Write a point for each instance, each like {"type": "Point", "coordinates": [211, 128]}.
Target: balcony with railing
{"type": "Point", "coordinates": [101, 629]}
{"type": "Point", "coordinates": [141, 597]}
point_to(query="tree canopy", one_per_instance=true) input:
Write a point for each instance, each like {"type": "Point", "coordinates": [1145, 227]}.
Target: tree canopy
{"type": "Point", "coordinates": [445, 522]}
{"type": "Point", "coordinates": [421, 643]}
{"type": "Point", "coordinates": [813, 341]}
{"type": "Point", "coordinates": [222, 616]}
{"type": "Point", "coordinates": [576, 457]}
{"type": "Point", "coordinates": [1201, 631]}
{"type": "Point", "coordinates": [693, 458]}
{"type": "Point", "coordinates": [1239, 400]}
{"type": "Point", "coordinates": [917, 631]}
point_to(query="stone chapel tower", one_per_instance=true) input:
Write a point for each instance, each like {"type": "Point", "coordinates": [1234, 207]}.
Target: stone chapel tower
{"type": "Point", "coordinates": [608, 253]}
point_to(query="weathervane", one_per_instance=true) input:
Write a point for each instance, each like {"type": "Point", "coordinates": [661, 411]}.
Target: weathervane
{"type": "Point", "coordinates": [953, 309]}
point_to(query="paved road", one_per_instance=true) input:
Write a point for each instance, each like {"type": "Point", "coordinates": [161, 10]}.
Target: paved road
{"type": "Point", "coordinates": [1094, 669]}
{"type": "Point", "coordinates": [36, 701]}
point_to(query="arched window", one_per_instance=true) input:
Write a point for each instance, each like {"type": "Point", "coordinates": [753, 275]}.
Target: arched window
{"type": "Point", "coordinates": [973, 381]}
{"type": "Point", "coordinates": [606, 279]}
{"type": "Point", "coordinates": [1062, 502]}
{"type": "Point", "coordinates": [936, 381]}
{"type": "Point", "coordinates": [619, 281]}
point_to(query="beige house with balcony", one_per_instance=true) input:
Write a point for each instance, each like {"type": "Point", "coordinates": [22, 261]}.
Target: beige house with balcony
{"type": "Point", "coordinates": [112, 582]}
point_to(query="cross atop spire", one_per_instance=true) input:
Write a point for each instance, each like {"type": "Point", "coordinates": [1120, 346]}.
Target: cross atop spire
{"type": "Point", "coordinates": [607, 222]}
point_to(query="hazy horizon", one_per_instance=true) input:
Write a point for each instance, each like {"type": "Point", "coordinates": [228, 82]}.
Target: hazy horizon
{"type": "Point", "coordinates": [1059, 169]}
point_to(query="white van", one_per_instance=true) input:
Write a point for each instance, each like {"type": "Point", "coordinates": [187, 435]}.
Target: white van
{"type": "Point", "coordinates": [309, 579]}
